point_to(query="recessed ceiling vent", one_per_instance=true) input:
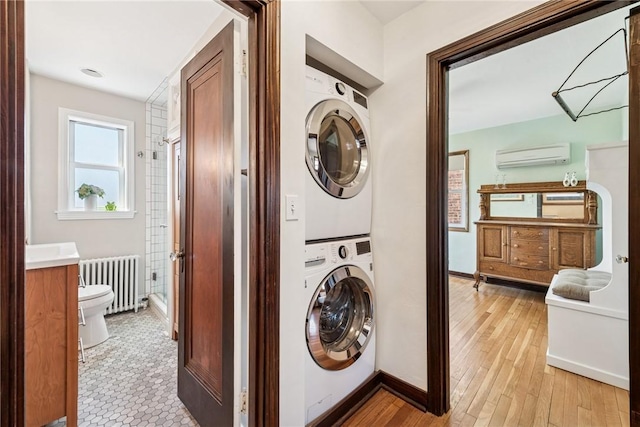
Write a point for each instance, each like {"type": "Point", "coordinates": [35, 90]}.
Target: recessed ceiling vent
{"type": "Point", "coordinates": [92, 73]}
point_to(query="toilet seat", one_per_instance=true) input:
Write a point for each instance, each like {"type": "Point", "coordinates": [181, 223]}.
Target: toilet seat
{"type": "Point", "coordinates": [92, 291]}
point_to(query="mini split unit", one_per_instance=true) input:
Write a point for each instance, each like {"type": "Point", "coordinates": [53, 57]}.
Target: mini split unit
{"type": "Point", "coordinates": [557, 154]}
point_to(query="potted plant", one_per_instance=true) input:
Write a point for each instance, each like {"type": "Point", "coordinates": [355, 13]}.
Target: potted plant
{"type": "Point", "coordinates": [90, 193]}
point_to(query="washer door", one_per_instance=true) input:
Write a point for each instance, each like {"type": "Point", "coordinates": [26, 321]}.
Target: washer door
{"type": "Point", "coordinates": [340, 318]}
{"type": "Point", "coordinates": [337, 154]}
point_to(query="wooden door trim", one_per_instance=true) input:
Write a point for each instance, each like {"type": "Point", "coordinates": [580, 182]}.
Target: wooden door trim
{"type": "Point", "coordinates": [12, 231]}
{"type": "Point", "coordinates": [534, 23]}
{"type": "Point", "coordinates": [264, 209]}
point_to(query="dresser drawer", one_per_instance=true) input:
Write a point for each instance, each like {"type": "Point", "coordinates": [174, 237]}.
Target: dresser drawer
{"type": "Point", "coordinates": [495, 268]}
{"type": "Point", "coordinates": [511, 272]}
{"type": "Point", "coordinates": [529, 247]}
{"type": "Point", "coordinates": [529, 233]}
{"type": "Point", "coordinates": [524, 260]}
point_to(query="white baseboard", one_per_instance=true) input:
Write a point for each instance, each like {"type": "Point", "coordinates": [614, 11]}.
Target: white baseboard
{"type": "Point", "coordinates": [587, 371]}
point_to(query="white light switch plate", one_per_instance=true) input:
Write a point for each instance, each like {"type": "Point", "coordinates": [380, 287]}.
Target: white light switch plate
{"type": "Point", "coordinates": [292, 208]}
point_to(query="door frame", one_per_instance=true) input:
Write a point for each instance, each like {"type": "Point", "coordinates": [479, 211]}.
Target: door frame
{"type": "Point", "coordinates": [529, 25]}
{"type": "Point", "coordinates": [264, 208]}
{"type": "Point", "coordinates": [264, 180]}
{"type": "Point", "coordinates": [12, 224]}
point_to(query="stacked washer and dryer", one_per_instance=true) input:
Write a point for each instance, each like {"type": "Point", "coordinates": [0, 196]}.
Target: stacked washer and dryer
{"type": "Point", "coordinates": [340, 334]}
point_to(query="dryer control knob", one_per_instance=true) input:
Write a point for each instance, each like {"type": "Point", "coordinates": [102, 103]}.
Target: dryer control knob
{"type": "Point", "coordinates": [343, 252]}
{"type": "Point", "coordinates": [340, 87]}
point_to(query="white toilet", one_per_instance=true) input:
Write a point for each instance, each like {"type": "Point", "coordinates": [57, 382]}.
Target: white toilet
{"type": "Point", "coordinates": [93, 300]}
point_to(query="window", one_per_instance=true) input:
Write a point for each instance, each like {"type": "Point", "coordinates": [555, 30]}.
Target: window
{"type": "Point", "coordinates": [95, 150]}
{"type": "Point", "coordinates": [458, 201]}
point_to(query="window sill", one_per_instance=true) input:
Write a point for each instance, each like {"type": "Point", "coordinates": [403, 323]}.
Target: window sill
{"type": "Point", "coordinates": [80, 215]}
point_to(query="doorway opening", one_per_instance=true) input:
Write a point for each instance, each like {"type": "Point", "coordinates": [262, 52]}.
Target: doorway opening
{"type": "Point", "coordinates": [138, 361]}
{"type": "Point", "coordinates": [264, 55]}
{"type": "Point", "coordinates": [511, 146]}
{"type": "Point", "coordinates": [540, 21]}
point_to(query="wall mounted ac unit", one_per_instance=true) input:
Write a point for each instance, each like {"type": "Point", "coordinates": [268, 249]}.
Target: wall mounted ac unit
{"type": "Point", "coordinates": [557, 154]}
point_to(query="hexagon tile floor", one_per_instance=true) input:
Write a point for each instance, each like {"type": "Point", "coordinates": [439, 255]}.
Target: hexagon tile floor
{"type": "Point", "coordinates": [130, 379]}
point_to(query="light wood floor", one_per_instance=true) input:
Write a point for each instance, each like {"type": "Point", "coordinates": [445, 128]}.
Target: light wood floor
{"type": "Point", "coordinates": [499, 377]}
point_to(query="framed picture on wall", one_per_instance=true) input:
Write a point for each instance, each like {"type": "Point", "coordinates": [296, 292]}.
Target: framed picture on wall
{"type": "Point", "coordinates": [458, 201]}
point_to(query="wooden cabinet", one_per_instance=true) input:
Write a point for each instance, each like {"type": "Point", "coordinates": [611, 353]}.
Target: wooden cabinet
{"type": "Point", "coordinates": [532, 249]}
{"type": "Point", "coordinates": [534, 252]}
{"type": "Point", "coordinates": [572, 248]}
{"type": "Point", "coordinates": [51, 345]}
{"type": "Point", "coordinates": [492, 242]}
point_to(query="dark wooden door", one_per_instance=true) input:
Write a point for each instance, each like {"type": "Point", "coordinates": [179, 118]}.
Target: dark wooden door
{"type": "Point", "coordinates": [205, 338]}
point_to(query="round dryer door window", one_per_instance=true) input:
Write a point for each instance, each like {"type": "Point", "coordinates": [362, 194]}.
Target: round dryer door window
{"type": "Point", "coordinates": [337, 154]}
{"type": "Point", "coordinates": [340, 318]}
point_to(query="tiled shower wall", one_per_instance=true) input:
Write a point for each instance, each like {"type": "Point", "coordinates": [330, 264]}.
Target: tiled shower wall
{"type": "Point", "coordinates": [157, 239]}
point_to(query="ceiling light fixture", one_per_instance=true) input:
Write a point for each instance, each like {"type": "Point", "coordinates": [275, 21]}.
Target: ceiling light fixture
{"type": "Point", "coordinates": [92, 73]}
{"type": "Point", "coordinates": [556, 94]}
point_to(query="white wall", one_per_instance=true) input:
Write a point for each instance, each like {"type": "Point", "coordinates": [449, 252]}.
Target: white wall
{"type": "Point", "coordinates": [221, 21]}
{"type": "Point", "coordinates": [398, 119]}
{"type": "Point", "coordinates": [347, 28]}
{"type": "Point", "coordinates": [28, 220]}
{"type": "Point", "coordinates": [94, 238]}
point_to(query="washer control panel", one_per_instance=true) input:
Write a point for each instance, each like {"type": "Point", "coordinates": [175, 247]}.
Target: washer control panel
{"type": "Point", "coordinates": [351, 250]}
{"type": "Point", "coordinates": [318, 254]}
{"type": "Point", "coordinates": [343, 252]}
{"type": "Point", "coordinates": [315, 255]}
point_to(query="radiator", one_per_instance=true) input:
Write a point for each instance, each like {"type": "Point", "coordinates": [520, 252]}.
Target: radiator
{"type": "Point", "coordinates": [121, 273]}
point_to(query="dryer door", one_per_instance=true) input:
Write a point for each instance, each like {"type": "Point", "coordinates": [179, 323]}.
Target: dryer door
{"type": "Point", "coordinates": [337, 154]}
{"type": "Point", "coordinates": [340, 318]}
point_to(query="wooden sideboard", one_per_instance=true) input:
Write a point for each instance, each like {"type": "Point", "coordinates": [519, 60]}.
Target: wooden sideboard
{"type": "Point", "coordinates": [532, 250]}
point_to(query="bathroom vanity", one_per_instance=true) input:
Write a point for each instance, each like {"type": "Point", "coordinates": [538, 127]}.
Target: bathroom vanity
{"type": "Point", "coordinates": [51, 334]}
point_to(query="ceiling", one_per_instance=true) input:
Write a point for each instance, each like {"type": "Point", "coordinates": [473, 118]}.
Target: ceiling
{"type": "Point", "coordinates": [516, 85]}
{"type": "Point", "coordinates": [134, 44]}
{"type": "Point", "coordinates": [388, 10]}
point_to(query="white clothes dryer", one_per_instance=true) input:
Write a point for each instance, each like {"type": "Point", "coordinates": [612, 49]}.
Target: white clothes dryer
{"type": "Point", "coordinates": [338, 186]}
{"type": "Point", "coordinates": [339, 328]}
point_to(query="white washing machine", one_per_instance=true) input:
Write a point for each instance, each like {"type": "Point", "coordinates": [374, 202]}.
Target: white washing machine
{"type": "Point", "coordinates": [338, 186]}
{"type": "Point", "coordinates": [339, 329]}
